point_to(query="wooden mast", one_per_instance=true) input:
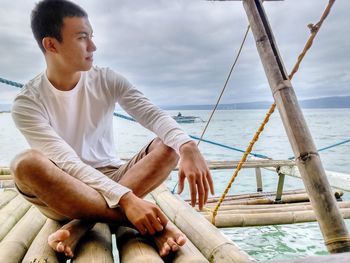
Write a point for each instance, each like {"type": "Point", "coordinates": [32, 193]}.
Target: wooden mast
{"type": "Point", "coordinates": [332, 225]}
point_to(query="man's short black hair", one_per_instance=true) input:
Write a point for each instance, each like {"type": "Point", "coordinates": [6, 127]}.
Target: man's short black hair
{"type": "Point", "coordinates": [47, 18]}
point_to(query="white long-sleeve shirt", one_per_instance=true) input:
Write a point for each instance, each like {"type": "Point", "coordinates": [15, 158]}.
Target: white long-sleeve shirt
{"type": "Point", "coordinates": [75, 128]}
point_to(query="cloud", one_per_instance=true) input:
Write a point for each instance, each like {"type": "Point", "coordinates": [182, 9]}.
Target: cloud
{"type": "Point", "coordinates": [180, 52]}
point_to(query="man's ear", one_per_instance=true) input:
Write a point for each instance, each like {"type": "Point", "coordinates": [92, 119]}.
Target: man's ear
{"type": "Point", "coordinates": [49, 43]}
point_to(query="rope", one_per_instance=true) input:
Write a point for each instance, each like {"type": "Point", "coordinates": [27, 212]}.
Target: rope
{"type": "Point", "coordinates": [241, 162]}
{"type": "Point", "coordinates": [327, 147]}
{"type": "Point", "coordinates": [223, 89]}
{"type": "Point", "coordinates": [314, 30]}
{"type": "Point", "coordinates": [11, 83]}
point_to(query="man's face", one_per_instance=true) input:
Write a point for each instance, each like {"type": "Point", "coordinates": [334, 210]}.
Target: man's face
{"type": "Point", "coordinates": [75, 52]}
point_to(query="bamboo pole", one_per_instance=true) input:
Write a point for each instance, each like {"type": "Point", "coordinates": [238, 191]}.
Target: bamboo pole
{"type": "Point", "coordinates": [263, 219]}
{"type": "Point", "coordinates": [332, 225]}
{"type": "Point", "coordinates": [11, 213]}
{"type": "Point", "coordinates": [266, 200]}
{"type": "Point", "coordinates": [95, 246]}
{"type": "Point", "coordinates": [6, 177]}
{"type": "Point", "coordinates": [208, 239]}
{"type": "Point", "coordinates": [252, 195]}
{"type": "Point", "coordinates": [6, 196]}
{"type": "Point", "coordinates": [271, 209]}
{"type": "Point", "coordinates": [134, 248]}
{"type": "Point", "coordinates": [14, 246]}
{"type": "Point", "coordinates": [40, 251]}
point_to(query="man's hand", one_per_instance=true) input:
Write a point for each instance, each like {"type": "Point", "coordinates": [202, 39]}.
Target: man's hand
{"type": "Point", "coordinates": [194, 167]}
{"type": "Point", "coordinates": [144, 215]}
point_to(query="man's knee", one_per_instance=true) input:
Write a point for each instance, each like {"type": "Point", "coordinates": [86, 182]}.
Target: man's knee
{"type": "Point", "coordinates": [167, 152]}
{"type": "Point", "coordinates": [25, 163]}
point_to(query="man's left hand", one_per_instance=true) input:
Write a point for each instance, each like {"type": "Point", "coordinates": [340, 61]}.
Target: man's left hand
{"type": "Point", "coordinates": [193, 167]}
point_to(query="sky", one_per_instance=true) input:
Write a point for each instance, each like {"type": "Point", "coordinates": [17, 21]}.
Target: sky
{"type": "Point", "coordinates": [179, 52]}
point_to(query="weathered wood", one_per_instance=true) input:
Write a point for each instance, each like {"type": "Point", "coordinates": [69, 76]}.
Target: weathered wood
{"type": "Point", "coordinates": [95, 246]}
{"type": "Point", "coordinates": [263, 219]}
{"type": "Point", "coordinates": [39, 251]}
{"type": "Point", "coordinates": [6, 196]}
{"type": "Point", "coordinates": [332, 225]}
{"type": "Point", "coordinates": [14, 246]}
{"type": "Point", "coordinates": [208, 239]}
{"type": "Point", "coordinates": [256, 163]}
{"type": "Point", "coordinates": [11, 213]}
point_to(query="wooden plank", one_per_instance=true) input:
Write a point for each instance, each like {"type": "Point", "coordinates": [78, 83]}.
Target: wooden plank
{"type": "Point", "coordinates": [218, 165]}
{"type": "Point", "coordinates": [333, 228]}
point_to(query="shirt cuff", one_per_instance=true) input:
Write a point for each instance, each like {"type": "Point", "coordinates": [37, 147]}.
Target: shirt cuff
{"type": "Point", "coordinates": [113, 197]}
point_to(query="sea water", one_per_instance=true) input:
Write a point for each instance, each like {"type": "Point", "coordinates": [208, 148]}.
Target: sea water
{"type": "Point", "coordinates": [236, 128]}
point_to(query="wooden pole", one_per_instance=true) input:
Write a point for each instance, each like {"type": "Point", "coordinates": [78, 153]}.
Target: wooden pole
{"type": "Point", "coordinates": [332, 225]}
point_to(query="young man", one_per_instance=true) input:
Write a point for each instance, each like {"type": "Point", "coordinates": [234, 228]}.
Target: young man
{"type": "Point", "coordinates": [72, 173]}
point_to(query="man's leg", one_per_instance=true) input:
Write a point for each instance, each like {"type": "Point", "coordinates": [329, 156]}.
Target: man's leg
{"type": "Point", "coordinates": [37, 176]}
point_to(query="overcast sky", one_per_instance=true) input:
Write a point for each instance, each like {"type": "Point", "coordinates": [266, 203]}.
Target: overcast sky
{"type": "Point", "coordinates": [180, 51]}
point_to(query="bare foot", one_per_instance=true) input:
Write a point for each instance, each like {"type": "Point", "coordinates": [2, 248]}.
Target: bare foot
{"type": "Point", "coordinates": [65, 239]}
{"type": "Point", "coordinates": [170, 239]}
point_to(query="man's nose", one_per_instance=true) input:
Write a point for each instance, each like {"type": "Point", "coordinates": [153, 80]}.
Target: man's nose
{"type": "Point", "coordinates": [92, 47]}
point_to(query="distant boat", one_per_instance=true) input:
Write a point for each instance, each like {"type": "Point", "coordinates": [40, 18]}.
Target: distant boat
{"type": "Point", "coordinates": [186, 119]}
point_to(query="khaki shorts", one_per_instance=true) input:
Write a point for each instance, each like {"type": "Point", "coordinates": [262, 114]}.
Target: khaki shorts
{"type": "Point", "coordinates": [115, 173]}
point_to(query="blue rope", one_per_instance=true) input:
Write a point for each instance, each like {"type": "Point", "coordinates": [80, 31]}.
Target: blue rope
{"type": "Point", "coordinates": [11, 83]}
{"type": "Point", "coordinates": [326, 147]}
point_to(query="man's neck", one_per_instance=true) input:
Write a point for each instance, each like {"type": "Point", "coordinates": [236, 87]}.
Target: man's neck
{"type": "Point", "coordinates": [63, 80]}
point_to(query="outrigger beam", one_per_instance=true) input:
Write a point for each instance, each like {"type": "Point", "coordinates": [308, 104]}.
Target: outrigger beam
{"type": "Point", "coordinates": [331, 222]}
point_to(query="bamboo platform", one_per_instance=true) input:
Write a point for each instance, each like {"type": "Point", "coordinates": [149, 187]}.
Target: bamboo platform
{"type": "Point", "coordinates": [24, 232]}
